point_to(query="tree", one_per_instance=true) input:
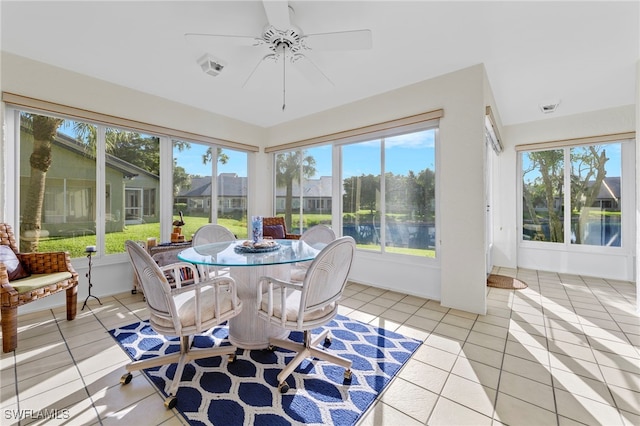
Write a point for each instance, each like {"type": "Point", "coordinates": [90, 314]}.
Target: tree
{"type": "Point", "coordinates": [423, 193]}
{"type": "Point", "coordinates": [587, 174]}
{"type": "Point", "coordinates": [44, 130]}
{"type": "Point", "coordinates": [550, 165]}
{"type": "Point", "coordinates": [181, 179]}
{"type": "Point", "coordinates": [292, 167]}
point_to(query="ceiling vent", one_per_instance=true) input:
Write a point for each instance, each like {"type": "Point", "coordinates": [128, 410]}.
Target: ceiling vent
{"type": "Point", "coordinates": [211, 65]}
{"type": "Point", "coordinates": [549, 107]}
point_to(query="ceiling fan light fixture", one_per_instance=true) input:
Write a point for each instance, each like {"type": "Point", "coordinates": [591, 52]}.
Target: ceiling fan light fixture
{"type": "Point", "coordinates": [211, 65]}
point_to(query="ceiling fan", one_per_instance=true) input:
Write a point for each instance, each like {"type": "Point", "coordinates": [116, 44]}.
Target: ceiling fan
{"type": "Point", "coordinates": [282, 41]}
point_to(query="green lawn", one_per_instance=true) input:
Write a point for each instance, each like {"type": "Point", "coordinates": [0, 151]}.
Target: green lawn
{"type": "Point", "coordinates": [115, 240]}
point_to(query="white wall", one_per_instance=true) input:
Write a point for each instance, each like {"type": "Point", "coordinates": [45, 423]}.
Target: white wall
{"type": "Point", "coordinates": [459, 279]}
{"type": "Point", "coordinates": [507, 251]}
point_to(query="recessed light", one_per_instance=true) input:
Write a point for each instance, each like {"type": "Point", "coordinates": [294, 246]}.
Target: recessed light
{"type": "Point", "coordinates": [549, 106]}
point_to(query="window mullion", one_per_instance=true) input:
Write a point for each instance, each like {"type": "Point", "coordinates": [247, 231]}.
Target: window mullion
{"type": "Point", "coordinates": [101, 189]}
{"type": "Point", "coordinates": [383, 202]}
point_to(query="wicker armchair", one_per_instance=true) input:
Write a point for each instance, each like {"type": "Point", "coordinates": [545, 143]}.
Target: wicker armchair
{"type": "Point", "coordinates": [50, 273]}
{"type": "Point", "coordinates": [269, 222]}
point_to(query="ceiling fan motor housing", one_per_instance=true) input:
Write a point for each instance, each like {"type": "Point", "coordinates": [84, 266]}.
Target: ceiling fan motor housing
{"type": "Point", "coordinates": [290, 39]}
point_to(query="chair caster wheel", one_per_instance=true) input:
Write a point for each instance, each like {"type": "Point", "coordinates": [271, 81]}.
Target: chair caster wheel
{"type": "Point", "coordinates": [232, 358]}
{"type": "Point", "coordinates": [327, 340]}
{"type": "Point", "coordinates": [170, 402]}
{"type": "Point", "coordinates": [283, 387]}
{"type": "Point", "coordinates": [126, 379]}
{"type": "Point", "coordinates": [347, 375]}
{"type": "Point", "coordinates": [134, 291]}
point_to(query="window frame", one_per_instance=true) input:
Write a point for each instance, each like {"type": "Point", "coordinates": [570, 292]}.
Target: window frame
{"type": "Point", "coordinates": [627, 170]}
{"type": "Point", "coordinates": [12, 114]}
{"type": "Point", "coordinates": [382, 131]}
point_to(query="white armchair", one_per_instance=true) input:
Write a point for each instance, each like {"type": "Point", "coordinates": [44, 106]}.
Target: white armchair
{"type": "Point", "coordinates": [317, 237]}
{"type": "Point", "coordinates": [181, 311]}
{"type": "Point", "coordinates": [308, 304]}
{"type": "Point", "coordinates": [212, 233]}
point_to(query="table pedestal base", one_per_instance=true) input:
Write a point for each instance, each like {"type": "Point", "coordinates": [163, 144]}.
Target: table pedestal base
{"type": "Point", "coordinates": [247, 330]}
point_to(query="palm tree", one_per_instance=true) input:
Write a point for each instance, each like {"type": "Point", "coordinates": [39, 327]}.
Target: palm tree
{"type": "Point", "coordinates": [290, 167]}
{"type": "Point", "coordinates": [44, 131]}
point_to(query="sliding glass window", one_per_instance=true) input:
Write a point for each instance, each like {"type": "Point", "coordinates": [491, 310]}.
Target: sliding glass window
{"type": "Point", "coordinates": [83, 182]}
{"type": "Point", "coordinates": [132, 178]}
{"type": "Point", "coordinates": [389, 193]}
{"type": "Point", "coordinates": [57, 189]}
{"type": "Point", "coordinates": [588, 179]}
{"type": "Point", "coordinates": [194, 187]}
{"type": "Point", "coordinates": [304, 187]}
{"type": "Point", "coordinates": [59, 194]}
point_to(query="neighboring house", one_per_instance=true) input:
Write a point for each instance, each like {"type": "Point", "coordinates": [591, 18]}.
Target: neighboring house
{"type": "Point", "coordinates": [232, 195]}
{"type": "Point", "coordinates": [131, 193]}
{"type": "Point", "coordinates": [609, 194]}
{"type": "Point", "coordinates": [315, 196]}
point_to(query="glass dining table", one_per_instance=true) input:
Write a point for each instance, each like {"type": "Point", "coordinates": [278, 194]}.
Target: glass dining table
{"type": "Point", "coordinates": [246, 266]}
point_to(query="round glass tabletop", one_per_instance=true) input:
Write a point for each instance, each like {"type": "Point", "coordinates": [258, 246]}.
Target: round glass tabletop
{"type": "Point", "coordinates": [229, 253]}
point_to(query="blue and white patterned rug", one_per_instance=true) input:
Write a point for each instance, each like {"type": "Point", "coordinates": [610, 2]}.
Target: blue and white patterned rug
{"type": "Point", "coordinates": [215, 392]}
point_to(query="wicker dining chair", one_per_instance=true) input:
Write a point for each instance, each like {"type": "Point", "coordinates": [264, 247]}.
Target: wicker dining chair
{"type": "Point", "coordinates": [47, 273]}
{"type": "Point", "coordinates": [276, 228]}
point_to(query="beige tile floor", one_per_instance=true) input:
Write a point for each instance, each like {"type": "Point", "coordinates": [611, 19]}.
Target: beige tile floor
{"type": "Point", "coordinates": [565, 351]}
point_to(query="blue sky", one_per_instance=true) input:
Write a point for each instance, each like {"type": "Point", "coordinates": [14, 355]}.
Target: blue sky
{"type": "Point", "coordinates": [408, 152]}
{"type": "Point", "coordinates": [415, 151]}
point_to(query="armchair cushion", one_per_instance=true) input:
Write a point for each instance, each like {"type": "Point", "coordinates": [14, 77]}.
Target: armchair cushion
{"type": "Point", "coordinates": [36, 281]}
{"type": "Point", "coordinates": [15, 270]}
{"type": "Point", "coordinates": [292, 306]}
{"type": "Point", "coordinates": [273, 231]}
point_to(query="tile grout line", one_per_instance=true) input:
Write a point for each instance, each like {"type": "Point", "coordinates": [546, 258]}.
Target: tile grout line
{"type": "Point", "coordinates": [75, 364]}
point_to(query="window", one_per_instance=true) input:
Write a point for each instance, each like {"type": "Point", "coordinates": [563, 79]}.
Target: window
{"type": "Point", "coordinates": [56, 199]}
{"type": "Point", "coordinates": [389, 193]}
{"type": "Point", "coordinates": [58, 157]}
{"type": "Point", "coordinates": [304, 187]}
{"type": "Point", "coordinates": [132, 164]}
{"type": "Point", "coordinates": [95, 181]}
{"type": "Point", "coordinates": [587, 179]}
{"type": "Point", "coordinates": [193, 184]}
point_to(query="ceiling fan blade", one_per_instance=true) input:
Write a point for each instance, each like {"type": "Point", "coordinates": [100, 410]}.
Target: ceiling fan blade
{"type": "Point", "coordinates": [277, 13]}
{"type": "Point", "coordinates": [311, 71]}
{"type": "Point", "coordinates": [342, 40]}
{"type": "Point", "coordinates": [221, 39]}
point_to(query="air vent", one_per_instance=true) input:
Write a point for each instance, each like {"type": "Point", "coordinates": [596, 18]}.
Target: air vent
{"type": "Point", "coordinates": [549, 107]}
{"type": "Point", "coordinates": [211, 65]}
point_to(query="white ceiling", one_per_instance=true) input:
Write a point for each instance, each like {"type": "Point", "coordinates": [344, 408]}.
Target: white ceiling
{"type": "Point", "coordinates": [582, 53]}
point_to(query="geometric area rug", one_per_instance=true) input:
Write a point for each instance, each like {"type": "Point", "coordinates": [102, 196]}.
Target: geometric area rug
{"type": "Point", "coordinates": [245, 392]}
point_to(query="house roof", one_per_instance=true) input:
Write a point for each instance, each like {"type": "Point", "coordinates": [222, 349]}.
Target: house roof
{"type": "Point", "coordinates": [610, 188]}
{"type": "Point", "coordinates": [232, 185]}
{"type": "Point", "coordinates": [126, 168]}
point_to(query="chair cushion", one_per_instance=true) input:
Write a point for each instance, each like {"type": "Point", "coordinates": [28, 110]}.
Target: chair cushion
{"type": "Point", "coordinates": [186, 307]}
{"type": "Point", "coordinates": [293, 306]}
{"type": "Point", "coordinates": [15, 270]}
{"type": "Point", "coordinates": [273, 231]}
{"type": "Point", "coordinates": [35, 281]}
